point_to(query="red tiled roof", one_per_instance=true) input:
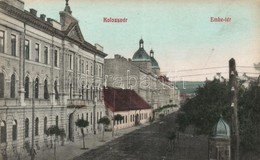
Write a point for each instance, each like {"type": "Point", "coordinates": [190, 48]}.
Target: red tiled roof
{"type": "Point", "coordinates": [123, 100]}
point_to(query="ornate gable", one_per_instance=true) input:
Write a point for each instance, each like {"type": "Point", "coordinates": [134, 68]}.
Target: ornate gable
{"type": "Point", "coordinates": [74, 32]}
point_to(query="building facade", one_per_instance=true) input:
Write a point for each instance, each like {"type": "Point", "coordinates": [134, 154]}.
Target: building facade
{"type": "Point", "coordinates": [142, 74]}
{"type": "Point", "coordinates": [46, 65]}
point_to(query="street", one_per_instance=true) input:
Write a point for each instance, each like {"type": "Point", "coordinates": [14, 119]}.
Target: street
{"type": "Point", "coordinates": [149, 143]}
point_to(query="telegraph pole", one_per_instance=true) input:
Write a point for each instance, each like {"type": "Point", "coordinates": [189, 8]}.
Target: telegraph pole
{"type": "Point", "coordinates": [234, 118]}
{"type": "Point", "coordinates": [33, 107]}
{"type": "Point", "coordinates": [94, 95]}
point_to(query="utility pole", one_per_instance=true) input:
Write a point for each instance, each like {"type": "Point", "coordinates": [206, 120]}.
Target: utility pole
{"type": "Point", "coordinates": [234, 118]}
{"type": "Point", "coordinates": [33, 107]}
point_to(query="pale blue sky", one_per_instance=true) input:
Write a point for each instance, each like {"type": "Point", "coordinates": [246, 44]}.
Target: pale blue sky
{"type": "Point", "coordinates": [180, 34]}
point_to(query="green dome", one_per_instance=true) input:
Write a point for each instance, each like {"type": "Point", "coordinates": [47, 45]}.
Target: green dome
{"type": "Point", "coordinates": [221, 129]}
{"type": "Point", "coordinates": [155, 64]}
{"type": "Point", "coordinates": [141, 54]}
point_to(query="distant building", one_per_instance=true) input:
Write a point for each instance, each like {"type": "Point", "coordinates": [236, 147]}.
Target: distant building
{"type": "Point", "coordinates": [142, 74]}
{"type": "Point", "coordinates": [127, 103]}
{"type": "Point", "coordinates": [66, 70]}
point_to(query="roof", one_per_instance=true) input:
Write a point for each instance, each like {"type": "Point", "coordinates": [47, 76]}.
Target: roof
{"type": "Point", "coordinates": [47, 27]}
{"type": "Point", "coordinates": [141, 54]}
{"type": "Point", "coordinates": [155, 64]}
{"type": "Point", "coordinates": [221, 129]}
{"type": "Point", "coordinates": [123, 100]}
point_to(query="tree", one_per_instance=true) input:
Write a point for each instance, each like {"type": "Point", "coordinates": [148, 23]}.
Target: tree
{"type": "Point", "coordinates": [204, 109]}
{"type": "Point", "coordinates": [212, 100]}
{"type": "Point", "coordinates": [105, 122]}
{"type": "Point", "coordinates": [118, 118]}
{"type": "Point", "coordinates": [81, 123]}
{"type": "Point", "coordinates": [55, 130]}
{"type": "Point", "coordinates": [172, 139]}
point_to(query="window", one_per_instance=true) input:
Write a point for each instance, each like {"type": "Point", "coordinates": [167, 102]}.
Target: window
{"type": "Point", "coordinates": [87, 116]}
{"type": "Point", "coordinates": [13, 45]}
{"type": "Point", "coordinates": [82, 116]}
{"type": "Point", "coordinates": [82, 66]}
{"type": "Point", "coordinates": [3, 132]}
{"type": "Point", "coordinates": [46, 93]}
{"type": "Point", "coordinates": [91, 93]}
{"type": "Point", "coordinates": [14, 130]}
{"type": "Point", "coordinates": [37, 126]}
{"type": "Point", "coordinates": [12, 91]}
{"type": "Point", "coordinates": [91, 118]}
{"type": "Point", "coordinates": [57, 121]}
{"type": "Point", "coordinates": [70, 91]}
{"type": "Point", "coordinates": [26, 130]}
{"type": "Point", "coordinates": [45, 125]}
{"type": "Point", "coordinates": [46, 55]}
{"type": "Point", "coordinates": [56, 58]}
{"type": "Point", "coordinates": [2, 85]}
{"type": "Point", "coordinates": [82, 91]}
{"type": "Point", "coordinates": [70, 59]}
{"type": "Point", "coordinates": [26, 87]}
{"type": "Point", "coordinates": [36, 88]}
{"type": "Point", "coordinates": [37, 52]}
{"type": "Point", "coordinates": [27, 49]}
{"type": "Point", "coordinates": [91, 69]}
{"type": "Point", "coordinates": [2, 40]}
{"type": "Point", "coordinates": [56, 90]}
{"type": "Point", "coordinates": [87, 67]}
{"type": "Point", "coordinates": [87, 93]}
{"type": "Point", "coordinates": [97, 115]}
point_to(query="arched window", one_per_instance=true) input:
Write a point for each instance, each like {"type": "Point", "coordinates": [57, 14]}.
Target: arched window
{"type": "Point", "coordinates": [46, 93]}
{"type": "Point", "coordinates": [82, 91]}
{"type": "Point", "coordinates": [56, 90]}
{"type": "Point", "coordinates": [37, 126]}
{"type": "Point", "coordinates": [26, 87]}
{"type": "Point", "coordinates": [14, 130]}
{"type": "Point", "coordinates": [87, 93]}
{"type": "Point", "coordinates": [91, 93]}
{"type": "Point", "coordinates": [2, 85]}
{"type": "Point", "coordinates": [70, 91]}
{"type": "Point", "coordinates": [26, 130]}
{"type": "Point", "coordinates": [37, 88]}
{"type": "Point", "coordinates": [3, 132]}
{"type": "Point", "coordinates": [45, 125]}
{"type": "Point", "coordinates": [57, 121]}
{"type": "Point", "coordinates": [12, 91]}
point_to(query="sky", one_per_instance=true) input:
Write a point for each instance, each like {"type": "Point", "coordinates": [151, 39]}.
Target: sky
{"type": "Point", "coordinates": [186, 44]}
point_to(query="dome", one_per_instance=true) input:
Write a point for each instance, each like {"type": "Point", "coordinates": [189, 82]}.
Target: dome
{"type": "Point", "coordinates": [221, 129]}
{"type": "Point", "coordinates": [155, 64]}
{"type": "Point", "coordinates": [141, 54]}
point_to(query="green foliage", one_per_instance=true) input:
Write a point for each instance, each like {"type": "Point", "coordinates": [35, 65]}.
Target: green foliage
{"type": "Point", "coordinates": [171, 135]}
{"type": "Point", "coordinates": [104, 120]}
{"type": "Point", "coordinates": [55, 130]}
{"type": "Point", "coordinates": [165, 107]}
{"type": "Point", "coordinates": [212, 100]}
{"type": "Point", "coordinates": [203, 111]}
{"type": "Point", "coordinates": [249, 109]}
{"type": "Point", "coordinates": [81, 123]}
{"type": "Point", "coordinates": [118, 117]}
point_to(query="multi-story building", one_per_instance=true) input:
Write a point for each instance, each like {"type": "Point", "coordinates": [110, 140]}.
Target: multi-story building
{"type": "Point", "coordinates": [142, 74]}
{"type": "Point", "coordinates": [46, 65]}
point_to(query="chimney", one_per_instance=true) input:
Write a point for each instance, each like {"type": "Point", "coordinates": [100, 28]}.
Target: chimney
{"type": "Point", "coordinates": [117, 56]}
{"type": "Point", "coordinates": [49, 20]}
{"type": "Point", "coordinates": [42, 17]}
{"type": "Point", "coordinates": [33, 12]}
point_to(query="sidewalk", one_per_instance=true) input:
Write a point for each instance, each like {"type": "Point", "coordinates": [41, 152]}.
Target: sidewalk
{"type": "Point", "coordinates": [72, 149]}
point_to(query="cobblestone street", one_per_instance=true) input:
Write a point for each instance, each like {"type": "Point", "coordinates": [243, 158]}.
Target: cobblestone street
{"type": "Point", "coordinates": [151, 142]}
